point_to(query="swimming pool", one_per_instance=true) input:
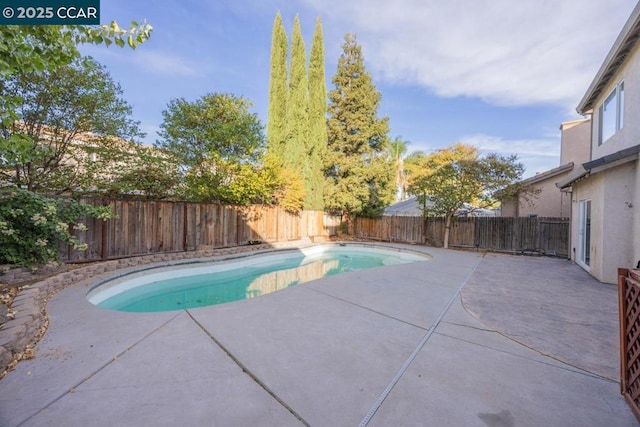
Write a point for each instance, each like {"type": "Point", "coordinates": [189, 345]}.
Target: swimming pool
{"type": "Point", "coordinates": [201, 284]}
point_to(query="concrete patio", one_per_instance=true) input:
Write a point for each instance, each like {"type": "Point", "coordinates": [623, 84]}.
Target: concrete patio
{"type": "Point", "coordinates": [460, 340]}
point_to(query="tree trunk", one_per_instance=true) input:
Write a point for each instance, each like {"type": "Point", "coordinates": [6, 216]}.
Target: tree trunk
{"type": "Point", "coordinates": [447, 227]}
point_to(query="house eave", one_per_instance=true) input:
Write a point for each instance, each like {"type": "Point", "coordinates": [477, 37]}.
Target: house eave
{"type": "Point", "coordinates": [576, 175]}
{"type": "Point", "coordinates": [625, 42]}
{"type": "Point", "coordinates": [601, 164]}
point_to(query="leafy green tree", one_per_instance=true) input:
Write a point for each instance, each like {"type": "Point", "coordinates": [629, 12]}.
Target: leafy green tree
{"type": "Point", "coordinates": [217, 124]}
{"type": "Point", "coordinates": [276, 120]}
{"type": "Point", "coordinates": [228, 181]}
{"type": "Point", "coordinates": [218, 143]}
{"type": "Point", "coordinates": [359, 179]}
{"type": "Point", "coordinates": [64, 115]}
{"type": "Point", "coordinates": [34, 50]}
{"type": "Point", "coordinates": [456, 176]}
{"type": "Point", "coordinates": [317, 142]}
{"type": "Point", "coordinates": [297, 118]}
{"type": "Point", "coordinates": [288, 189]}
{"type": "Point", "coordinates": [128, 169]}
{"type": "Point", "coordinates": [28, 49]}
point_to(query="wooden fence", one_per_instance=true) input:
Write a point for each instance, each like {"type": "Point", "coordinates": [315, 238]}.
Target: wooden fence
{"type": "Point", "coordinates": [546, 235]}
{"type": "Point", "coordinates": [147, 227]}
{"type": "Point", "coordinates": [629, 311]}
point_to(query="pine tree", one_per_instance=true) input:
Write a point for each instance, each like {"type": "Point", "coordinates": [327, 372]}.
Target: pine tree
{"type": "Point", "coordinates": [317, 119]}
{"type": "Point", "coordinates": [359, 179]}
{"type": "Point", "coordinates": [297, 125]}
{"type": "Point", "coordinates": [276, 129]}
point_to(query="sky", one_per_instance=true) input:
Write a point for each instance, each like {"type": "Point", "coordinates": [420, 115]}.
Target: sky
{"type": "Point", "coordinates": [499, 74]}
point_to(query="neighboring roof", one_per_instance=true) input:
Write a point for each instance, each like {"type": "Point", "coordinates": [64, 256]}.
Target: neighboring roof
{"type": "Point", "coordinates": [538, 178]}
{"type": "Point", "coordinates": [409, 207]}
{"type": "Point", "coordinates": [598, 165]}
{"type": "Point", "coordinates": [625, 42]}
{"type": "Point", "coordinates": [547, 174]}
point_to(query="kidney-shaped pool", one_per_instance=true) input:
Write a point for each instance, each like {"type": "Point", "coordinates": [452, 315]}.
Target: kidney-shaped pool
{"type": "Point", "coordinates": [200, 284]}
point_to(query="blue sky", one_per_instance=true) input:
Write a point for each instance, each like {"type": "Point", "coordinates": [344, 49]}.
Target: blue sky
{"type": "Point", "coordinates": [499, 74]}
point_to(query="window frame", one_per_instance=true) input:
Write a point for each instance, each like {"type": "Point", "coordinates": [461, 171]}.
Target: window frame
{"type": "Point", "coordinates": [615, 100]}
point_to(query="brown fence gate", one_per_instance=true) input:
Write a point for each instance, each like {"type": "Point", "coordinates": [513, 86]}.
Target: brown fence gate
{"type": "Point", "coordinates": [629, 309]}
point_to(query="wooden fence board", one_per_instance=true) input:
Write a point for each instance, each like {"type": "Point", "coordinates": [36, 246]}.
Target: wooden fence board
{"type": "Point", "coordinates": [547, 235]}
{"type": "Point", "coordinates": [145, 227]}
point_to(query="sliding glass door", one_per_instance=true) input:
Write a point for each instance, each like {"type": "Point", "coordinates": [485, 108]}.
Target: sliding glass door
{"type": "Point", "coordinates": [584, 236]}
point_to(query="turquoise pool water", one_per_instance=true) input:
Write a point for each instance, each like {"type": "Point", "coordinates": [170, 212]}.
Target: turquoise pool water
{"type": "Point", "coordinates": [182, 288]}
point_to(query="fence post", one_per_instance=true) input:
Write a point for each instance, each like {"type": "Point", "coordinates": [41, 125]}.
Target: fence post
{"type": "Point", "coordinates": [103, 245]}
{"type": "Point", "coordinates": [185, 223]}
{"type": "Point", "coordinates": [237, 227]}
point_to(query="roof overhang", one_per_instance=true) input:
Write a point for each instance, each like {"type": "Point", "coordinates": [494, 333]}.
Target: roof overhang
{"type": "Point", "coordinates": [599, 165]}
{"type": "Point", "coordinates": [574, 176]}
{"type": "Point", "coordinates": [625, 42]}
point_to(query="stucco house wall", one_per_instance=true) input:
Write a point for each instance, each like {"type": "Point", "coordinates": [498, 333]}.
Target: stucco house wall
{"type": "Point", "coordinates": [592, 189]}
{"type": "Point", "coordinates": [610, 178]}
{"type": "Point", "coordinates": [629, 135]}
{"type": "Point", "coordinates": [549, 202]}
{"type": "Point", "coordinates": [509, 208]}
{"type": "Point", "coordinates": [613, 219]}
{"type": "Point", "coordinates": [575, 141]}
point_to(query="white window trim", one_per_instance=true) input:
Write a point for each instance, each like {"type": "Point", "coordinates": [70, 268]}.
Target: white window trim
{"type": "Point", "coordinates": [618, 94]}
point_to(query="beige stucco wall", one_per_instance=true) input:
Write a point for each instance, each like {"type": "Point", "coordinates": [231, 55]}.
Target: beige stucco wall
{"type": "Point", "coordinates": [508, 208]}
{"type": "Point", "coordinates": [575, 142]}
{"type": "Point", "coordinates": [592, 189]}
{"type": "Point", "coordinates": [629, 135]}
{"type": "Point", "coordinates": [618, 246]}
{"type": "Point", "coordinates": [614, 220]}
{"type": "Point", "coordinates": [549, 202]}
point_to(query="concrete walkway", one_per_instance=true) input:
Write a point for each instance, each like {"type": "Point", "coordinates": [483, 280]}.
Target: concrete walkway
{"type": "Point", "coordinates": [380, 347]}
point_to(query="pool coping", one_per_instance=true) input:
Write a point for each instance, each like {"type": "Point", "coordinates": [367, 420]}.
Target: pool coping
{"type": "Point", "coordinates": [18, 336]}
{"type": "Point", "coordinates": [110, 286]}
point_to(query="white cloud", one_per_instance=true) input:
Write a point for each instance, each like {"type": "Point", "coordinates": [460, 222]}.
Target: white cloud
{"type": "Point", "coordinates": [163, 63]}
{"type": "Point", "coordinates": [156, 62]}
{"type": "Point", "coordinates": [503, 51]}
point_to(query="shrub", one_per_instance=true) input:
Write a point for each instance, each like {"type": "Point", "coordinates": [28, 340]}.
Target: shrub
{"type": "Point", "coordinates": [32, 226]}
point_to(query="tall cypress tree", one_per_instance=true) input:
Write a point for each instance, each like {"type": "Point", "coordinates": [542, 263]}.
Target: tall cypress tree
{"type": "Point", "coordinates": [297, 117]}
{"type": "Point", "coordinates": [317, 119]}
{"type": "Point", "coordinates": [358, 176]}
{"type": "Point", "coordinates": [276, 128]}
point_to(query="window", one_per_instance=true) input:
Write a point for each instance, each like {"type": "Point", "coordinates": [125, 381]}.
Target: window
{"type": "Point", "coordinates": [611, 114]}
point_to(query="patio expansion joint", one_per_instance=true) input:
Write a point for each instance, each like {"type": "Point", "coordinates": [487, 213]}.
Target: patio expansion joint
{"type": "Point", "coordinates": [247, 371]}
{"type": "Point", "coordinates": [567, 367]}
{"type": "Point", "coordinates": [477, 328]}
{"type": "Point", "coordinates": [104, 366]}
{"type": "Point", "coordinates": [385, 393]}
{"type": "Point", "coordinates": [367, 308]}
